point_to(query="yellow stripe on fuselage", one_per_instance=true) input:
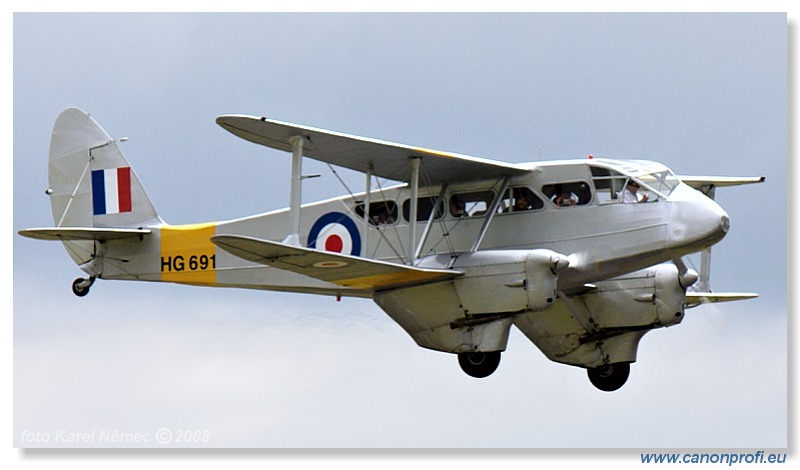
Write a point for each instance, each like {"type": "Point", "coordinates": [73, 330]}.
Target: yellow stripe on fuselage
{"type": "Point", "coordinates": [187, 254]}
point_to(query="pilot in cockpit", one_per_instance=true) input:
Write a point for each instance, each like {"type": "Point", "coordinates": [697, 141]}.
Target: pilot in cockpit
{"type": "Point", "coordinates": [630, 194]}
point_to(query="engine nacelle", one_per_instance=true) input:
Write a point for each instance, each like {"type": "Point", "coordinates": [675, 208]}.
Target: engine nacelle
{"type": "Point", "coordinates": [541, 271]}
{"type": "Point", "coordinates": [506, 281]}
{"type": "Point", "coordinates": [671, 293]}
{"type": "Point", "coordinates": [652, 296]}
{"type": "Point", "coordinates": [473, 312]}
{"type": "Point", "coordinates": [604, 325]}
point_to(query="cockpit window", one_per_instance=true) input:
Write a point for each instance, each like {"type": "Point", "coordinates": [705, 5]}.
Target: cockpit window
{"type": "Point", "coordinates": [574, 193]}
{"type": "Point", "coordinates": [612, 185]}
{"type": "Point", "coordinates": [662, 181]}
{"type": "Point", "coordinates": [608, 184]}
{"type": "Point", "coordinates": [634, 192]}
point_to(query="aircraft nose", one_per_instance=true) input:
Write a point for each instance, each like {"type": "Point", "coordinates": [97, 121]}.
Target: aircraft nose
{"type": "Point", "coordinates": [725, 223]}
{"type": "Point", "coordinates": [699, 222]}
{"type": "Point", "coordinates": [713, 222]}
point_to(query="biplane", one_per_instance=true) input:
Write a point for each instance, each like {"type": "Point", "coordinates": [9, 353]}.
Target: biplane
{"type": "Point", "coordinates": [583, 256]}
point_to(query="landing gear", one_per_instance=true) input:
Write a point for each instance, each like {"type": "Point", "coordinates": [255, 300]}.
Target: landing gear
{"type": "Point", "coordinates": [479, 364]}
{"type": "Point", "coordinates": [80, 286]}
{"type": "Point", "coordinates": [609, 377]}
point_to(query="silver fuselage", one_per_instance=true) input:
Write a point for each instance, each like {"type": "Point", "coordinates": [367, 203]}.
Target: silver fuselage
{"type": "Point", "coordinates": [602, 236]}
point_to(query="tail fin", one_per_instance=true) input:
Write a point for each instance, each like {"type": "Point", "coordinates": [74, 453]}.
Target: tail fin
{"type": "Point", "coordinates": [91, 182]}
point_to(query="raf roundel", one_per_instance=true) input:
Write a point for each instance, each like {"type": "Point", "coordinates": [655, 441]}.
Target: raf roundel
{"type": "Point", "coordinates": [337, 233]}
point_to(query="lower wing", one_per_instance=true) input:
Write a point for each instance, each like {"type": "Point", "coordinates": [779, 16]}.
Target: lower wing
{"type": "Point", "coordinates": [343, 270]}
{"type": "Point", "coordinates": [693, 299]}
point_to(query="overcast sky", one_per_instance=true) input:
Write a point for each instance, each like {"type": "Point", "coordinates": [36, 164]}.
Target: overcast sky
{"type": "Point", "coordinates": [705, 94]}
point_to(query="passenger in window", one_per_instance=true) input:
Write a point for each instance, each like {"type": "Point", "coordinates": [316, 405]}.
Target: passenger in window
{"type": "Point", "coordinates": [630, 194]}
{"type": "Point", "coordinates": [566, 200]}
{"type": "Point", "coordinates": [521, 203]}
{"type": "Point", "coordinates": [457, 207]}
{"type": "Point", "coordinates": [383, 216]}
{"type": "Point", "coordinates": [381, 219]}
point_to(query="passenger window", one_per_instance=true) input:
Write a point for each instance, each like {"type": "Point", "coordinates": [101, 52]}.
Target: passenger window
{"type": "Point", "coordinates": [472, 204]}
{"type": "Point", "coordinates": [608, 184]}
{"type": "Point", "coordinates": [519, 199]}
{"type": "Point", "coordinates": [380, 213]}
{"type": "Point", "coordinates": [574, 193]}
{"type": "Point", "coordinates": [424, 209]}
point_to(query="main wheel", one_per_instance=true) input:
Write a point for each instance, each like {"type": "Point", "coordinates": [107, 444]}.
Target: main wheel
{"type": "Point", "coordinates": [479, 364]}
{"type": "Point", "coordinates": [77, 288]}
{"type": "Point", "coordinates": [610, 377]}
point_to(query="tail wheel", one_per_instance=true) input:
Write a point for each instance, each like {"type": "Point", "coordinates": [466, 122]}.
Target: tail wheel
{"type": "Point", "coordinates": [479, 364]}
{"type": "Point", "coordinates": [610, 377]}
{"type": "Point", "coordinates": [80, 286]}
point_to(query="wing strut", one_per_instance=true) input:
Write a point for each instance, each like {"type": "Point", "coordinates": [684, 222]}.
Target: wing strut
{"type": "Point", "coordinates": [705, 271]}
{"type": "Point", "coordinates": [296, 192]}
{"type": "Point", "coordinates": [588, 324]}
{"type": "Point", "coordinates": [366, 207]}
{"type": "Point", "coordinates": [412, 223]}
{"type": "Point", "coordinates": [490, 214]}
{"type": "Point", "coordinates": [434, 212]}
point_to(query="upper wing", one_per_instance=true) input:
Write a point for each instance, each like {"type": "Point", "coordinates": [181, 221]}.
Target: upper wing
{"type": "Point", "coordinates": [343, 270]}
{"type": "Point", "coordinates": [707, 184]}
{"type": "Point", "coordinates": [384, 159]}
{"type": "Point", "coordinates": [82, 233]}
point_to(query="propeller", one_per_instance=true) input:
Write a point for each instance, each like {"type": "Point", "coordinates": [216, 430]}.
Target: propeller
{"type": "Point", "coordinates": [686, 277]}
{"type": "Point", "coordinates": [689, 279]}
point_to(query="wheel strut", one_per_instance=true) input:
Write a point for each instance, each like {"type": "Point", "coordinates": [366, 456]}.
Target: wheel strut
{"type": "Point", "coordinates": [80, 286]}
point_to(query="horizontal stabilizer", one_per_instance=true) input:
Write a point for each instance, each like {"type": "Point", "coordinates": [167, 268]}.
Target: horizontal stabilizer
{"type": "Point", "coordinates": [385, 159]}
{"type": "Point", "coordinates": [344, 270]}
{"type": "Point", "coordinates": [693, 299]}
{"type": "Point", "coordinates": [82, 233]}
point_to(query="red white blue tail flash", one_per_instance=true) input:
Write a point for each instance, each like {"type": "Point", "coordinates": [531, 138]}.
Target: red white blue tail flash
{"type": "Point", "coordinates": [111, 191]}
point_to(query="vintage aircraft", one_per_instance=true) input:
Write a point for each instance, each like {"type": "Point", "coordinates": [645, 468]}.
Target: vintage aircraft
{"type": "Point", "coordinates": [583, 256]}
